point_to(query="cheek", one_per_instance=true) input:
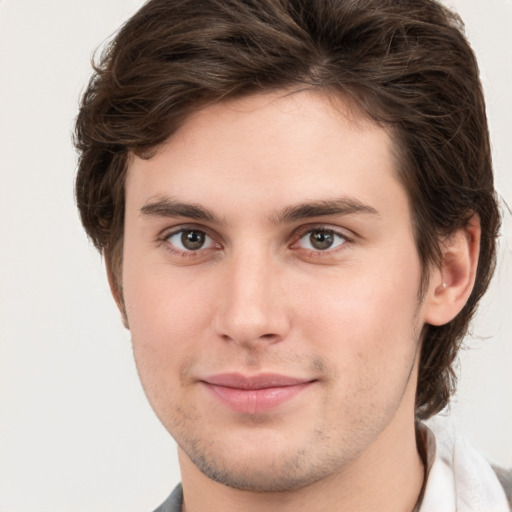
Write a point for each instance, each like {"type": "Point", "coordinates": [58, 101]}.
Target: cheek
{"type": "Point", "coordinates": [168, 320]}
{"type": "Point", "coordinates": [365, 320]}
{"type": "Point", "coordinates": [367, 331]}
{"type": "Point", "coordinates": [163, 302]}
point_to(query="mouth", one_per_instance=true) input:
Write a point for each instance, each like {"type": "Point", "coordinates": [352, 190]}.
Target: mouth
{"type": "Point", "coordinates": [257, 393]}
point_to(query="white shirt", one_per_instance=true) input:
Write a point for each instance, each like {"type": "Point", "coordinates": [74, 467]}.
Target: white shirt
{"type": "Point", "coordinates": [459, 478]}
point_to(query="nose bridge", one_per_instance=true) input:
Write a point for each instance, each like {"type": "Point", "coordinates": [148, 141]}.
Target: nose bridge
{"type": "Point", "coordinates": [250, 308]}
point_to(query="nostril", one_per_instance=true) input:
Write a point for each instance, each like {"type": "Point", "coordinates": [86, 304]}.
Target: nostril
{"type": "Point", "coordinates": [242, 338]}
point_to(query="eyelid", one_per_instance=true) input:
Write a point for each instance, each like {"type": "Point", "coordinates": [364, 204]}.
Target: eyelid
{"type": "Point", "coordinates": [164, 235]}
{"type": "Point", "coordinates": [337, 230]}
{"type": "Point", "coordinates": [300, 232]}
{"type": "Point", "coordinates": [178, 228]}
{"type": "Point", "coordinates": [163, 238]}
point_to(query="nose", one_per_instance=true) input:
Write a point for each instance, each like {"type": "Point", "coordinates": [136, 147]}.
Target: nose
{"type": "Point", "coordinates": [251, 307]}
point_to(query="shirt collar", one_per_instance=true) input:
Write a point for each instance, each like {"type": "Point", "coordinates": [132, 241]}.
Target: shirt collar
{"type": "Point", "coordinates": [458, 478]}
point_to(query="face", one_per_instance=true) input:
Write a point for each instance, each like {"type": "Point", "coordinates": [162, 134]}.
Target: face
{"type": "Point", "coordinates": [270, 282]}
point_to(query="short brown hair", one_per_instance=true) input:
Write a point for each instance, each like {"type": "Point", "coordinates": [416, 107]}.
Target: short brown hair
{"type": "Point", "coordinates": [406, 63]}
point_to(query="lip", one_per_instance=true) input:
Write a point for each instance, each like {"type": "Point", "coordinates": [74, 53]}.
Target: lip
{"type": "Point", "coordinates": [255, 393]}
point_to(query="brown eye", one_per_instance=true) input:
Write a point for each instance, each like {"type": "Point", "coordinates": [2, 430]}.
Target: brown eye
{"type": "Point", "coordinates": [190, 240]}
{"type": "Point", "coordinates": [321, 240]}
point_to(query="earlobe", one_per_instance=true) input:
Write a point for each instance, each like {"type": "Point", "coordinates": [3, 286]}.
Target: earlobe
{"type": "Point", "coordinates": [116, 291]}
{"type": "Point", "coordinates": [452, 282]}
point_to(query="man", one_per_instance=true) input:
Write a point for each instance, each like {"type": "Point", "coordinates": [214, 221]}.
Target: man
{"type": "Point", "coordinates": [295, 202]}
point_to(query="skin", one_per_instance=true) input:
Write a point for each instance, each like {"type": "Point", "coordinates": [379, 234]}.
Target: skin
{"type": "Point", "coordinates": [259, 296]}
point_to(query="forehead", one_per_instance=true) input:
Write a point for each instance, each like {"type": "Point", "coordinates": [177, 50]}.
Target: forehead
{"type": "Point", "coordinates": [269, 150]}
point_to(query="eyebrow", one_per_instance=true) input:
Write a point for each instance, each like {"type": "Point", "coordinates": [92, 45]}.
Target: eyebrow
{"type": "Point", "coordinates": [170, 208]}
{"type": "Point", "coordinates": [340, 206]}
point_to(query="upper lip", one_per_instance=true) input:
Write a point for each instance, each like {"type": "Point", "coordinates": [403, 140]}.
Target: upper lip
{"type": "Point", "coordinates": [259, 381]}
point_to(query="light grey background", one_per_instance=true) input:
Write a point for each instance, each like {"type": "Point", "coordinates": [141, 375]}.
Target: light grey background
{"type": "Point", "coordinates": [76, 432]}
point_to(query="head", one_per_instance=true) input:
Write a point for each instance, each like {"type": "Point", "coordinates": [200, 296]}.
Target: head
{"type": "Point", "coordinates": [404, 67]}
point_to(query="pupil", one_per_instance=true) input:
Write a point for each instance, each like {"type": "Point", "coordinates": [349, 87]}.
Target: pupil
{"type": "Point", "coordinates": [321, 239]}
{"type": "Point", "coordinates": [192, 240]}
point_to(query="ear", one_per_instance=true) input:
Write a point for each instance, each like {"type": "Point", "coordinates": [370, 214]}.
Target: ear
{"type": "Point", "coordinates": [452, 282]}
{"type": "Point", "coordinates": [116, 290]}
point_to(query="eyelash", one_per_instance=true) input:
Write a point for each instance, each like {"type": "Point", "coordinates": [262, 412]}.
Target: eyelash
{"type": "Point", "coordinates": [309, 230]}
{"type": "Point", "coordinates": [165, 239]}
{"type": "Point", "coordinates": [298, 236]}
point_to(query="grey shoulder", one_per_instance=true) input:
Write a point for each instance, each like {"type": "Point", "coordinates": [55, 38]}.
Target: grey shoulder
{"type": "Point", "coordinates": [173, 502]}
{"type": "Point", "coordinates": [505, 478]}
{"type": "Point", "coordinates": [175, 499]}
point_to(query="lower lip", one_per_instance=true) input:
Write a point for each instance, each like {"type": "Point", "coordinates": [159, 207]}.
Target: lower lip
{"type": "Point", "coordinates": [254, 401]}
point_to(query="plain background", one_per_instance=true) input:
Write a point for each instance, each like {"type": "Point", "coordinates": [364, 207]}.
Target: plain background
{"type": "Point", "coordinates": [76, 432]}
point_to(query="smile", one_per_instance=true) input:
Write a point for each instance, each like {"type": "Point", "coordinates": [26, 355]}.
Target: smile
{"type": "Point", "coordinates": [255, 394]}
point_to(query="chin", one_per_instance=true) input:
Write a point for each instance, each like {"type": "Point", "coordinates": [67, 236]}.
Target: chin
{"type": "Point", "coordinates": [267, 470]}
{"type": "Point", "coordinates": [272, 477]}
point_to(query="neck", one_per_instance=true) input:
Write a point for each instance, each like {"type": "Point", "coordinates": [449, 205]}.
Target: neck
{"type": "Point", "coordinates": [388, 476]}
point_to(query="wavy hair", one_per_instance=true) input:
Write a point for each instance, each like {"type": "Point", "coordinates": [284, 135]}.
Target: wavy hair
{"type": "Point", "coordinates": [405, 63]}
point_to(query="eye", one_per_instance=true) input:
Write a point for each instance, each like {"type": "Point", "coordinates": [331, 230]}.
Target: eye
{"type": "Point", "coordinates": [321, 239]}
{"type": "Point", "coordinates": [190, 240]}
